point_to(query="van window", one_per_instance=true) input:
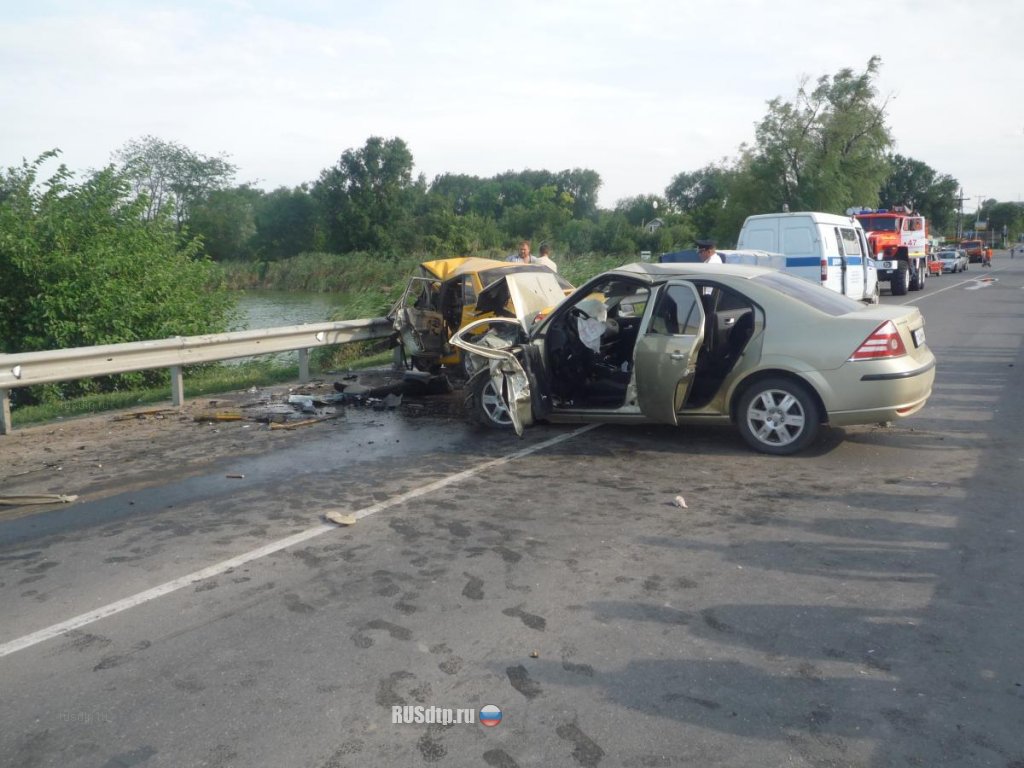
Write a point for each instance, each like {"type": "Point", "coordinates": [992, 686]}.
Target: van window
{"type": "Point", "coordinates": [797, 241]}
{"type": "Point", "coordinates": [850, 242]}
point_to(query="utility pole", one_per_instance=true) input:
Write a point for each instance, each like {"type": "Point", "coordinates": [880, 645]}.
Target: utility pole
{"type": "Point", "coordinates": [960, 216]}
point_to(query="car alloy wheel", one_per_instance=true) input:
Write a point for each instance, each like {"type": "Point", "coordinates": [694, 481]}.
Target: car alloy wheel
{"type": "Point", "coordinates": [487, 405]}
{"type": "Point", "coordinates": [778, 416]}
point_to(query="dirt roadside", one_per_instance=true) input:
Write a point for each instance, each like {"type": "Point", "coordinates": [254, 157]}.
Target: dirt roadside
{"type": "Point", "coordinates": [96, 456]}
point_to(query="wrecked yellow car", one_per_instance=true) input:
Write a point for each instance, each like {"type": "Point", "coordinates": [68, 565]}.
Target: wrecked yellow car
{"type": "Point", "coordinates": [447, 294]}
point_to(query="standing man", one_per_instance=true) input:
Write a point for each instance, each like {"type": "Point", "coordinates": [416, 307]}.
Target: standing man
{"type": "Point", "coordinates": [523, 257]}
{"type": "Point", "coordinates": [545, 258]}
{"type": "Point", "coordinates": [706, 252]}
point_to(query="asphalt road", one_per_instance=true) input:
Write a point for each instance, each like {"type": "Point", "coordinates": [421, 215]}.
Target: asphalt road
{"type": "Point", "coordinates": [858, 605]}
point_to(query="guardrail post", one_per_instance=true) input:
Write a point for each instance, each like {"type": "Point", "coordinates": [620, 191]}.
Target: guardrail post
{"type": "Point", "coordinates": [303, 366]}
{"type": "Point", "coordinates": [5, 412]}
{"type": "Point", "coordinates": [177, 386]}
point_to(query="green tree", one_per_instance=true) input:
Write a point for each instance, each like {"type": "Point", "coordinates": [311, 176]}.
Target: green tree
{"type": "Point", "coordinates": [918, 185]}
{"type": "Point", "coordinates": [582, 185]}
{"type": "Point", "coordinates": [1000, 215]}
{"type": "Point", "coordinates": [226, 221]}
{"type": "Point", "coordinates": [367, 199]}
{"type": "Point", "coordinates": [286, 224]}
{"type": "Point", "coordinates": [703, 196]}
{"type": "Point", "coordinates": [80, 265]}
{"type": "Point", "coordinates": [169, 174]}
{"type": "Point", "coordinates": [826, 151]}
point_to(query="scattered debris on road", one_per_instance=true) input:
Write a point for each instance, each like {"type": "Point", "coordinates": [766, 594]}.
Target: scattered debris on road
{"type": "Point", "coordinates": [19, 500]}
{"type": "Point", "coordinates": [339, 517]}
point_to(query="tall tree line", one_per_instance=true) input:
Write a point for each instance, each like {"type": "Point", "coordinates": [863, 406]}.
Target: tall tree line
{"type": "Point", "coordinates": [828, 148]}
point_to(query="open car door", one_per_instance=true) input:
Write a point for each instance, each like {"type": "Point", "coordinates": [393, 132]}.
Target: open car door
{"type": "Point", "coordinates": [666, 354]}
{"type": "Point", "coordinates": [417, 318]}
{"type": "Point", "coordinates": [508, 377]}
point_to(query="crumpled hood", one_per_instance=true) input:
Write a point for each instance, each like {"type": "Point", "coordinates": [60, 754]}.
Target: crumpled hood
{"type": "Point", "coordinates": [529, 293]}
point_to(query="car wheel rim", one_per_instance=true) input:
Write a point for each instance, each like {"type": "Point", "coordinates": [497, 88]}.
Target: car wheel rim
{"type": "Point", "coordinates": [494, 405]}
{"type": "Point", "coordinates": [776, 417]}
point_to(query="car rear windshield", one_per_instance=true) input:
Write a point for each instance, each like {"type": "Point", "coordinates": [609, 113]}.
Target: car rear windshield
{"type": "Point", "coordinates": [822, 299]}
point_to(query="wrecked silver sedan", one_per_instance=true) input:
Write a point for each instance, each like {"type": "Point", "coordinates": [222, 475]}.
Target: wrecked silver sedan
{"type": "Point", "coordinates": [698, 343]}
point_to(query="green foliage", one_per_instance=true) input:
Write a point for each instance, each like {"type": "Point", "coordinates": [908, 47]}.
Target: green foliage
{"type": "Point", "coordinates": [286, 224]}
{"type": "Point", "coordinates": [81, 264]}
{"type": "Point", "coordinates": [170, 175]}
{"type": "Point", "coordinates": [1000, 215]}
{"type": "Point", "coordinates": [366, 200]}
{"type": "Point", "coordinates": [226, 221]}
{"type": "Point", "coordinates": [827, 151]}
{"type": "Point", "coordinates": [919, 186]}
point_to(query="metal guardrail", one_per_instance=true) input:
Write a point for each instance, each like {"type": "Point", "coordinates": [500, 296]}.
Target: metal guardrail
{"type": "Point", "coordinates": [28, 368]}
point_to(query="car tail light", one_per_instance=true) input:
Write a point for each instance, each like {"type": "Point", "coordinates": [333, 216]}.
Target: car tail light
{"type": "Point", "coordinates": [824, 270]}
{"type": "Point", "coordinates": [883, 342]}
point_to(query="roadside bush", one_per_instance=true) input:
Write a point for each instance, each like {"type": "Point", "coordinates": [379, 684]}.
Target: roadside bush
{"type": "Point", "coordinates": [79, 266]}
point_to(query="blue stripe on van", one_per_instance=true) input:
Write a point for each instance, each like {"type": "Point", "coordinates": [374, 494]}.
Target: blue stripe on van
{"type": "Point", "coordinates": [802, 261]}
{"type": "Point", "coordinates": [814, 261]}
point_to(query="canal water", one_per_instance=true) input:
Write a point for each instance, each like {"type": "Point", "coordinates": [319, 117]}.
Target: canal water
{"type": "Point", "coordinates": [268, 309]}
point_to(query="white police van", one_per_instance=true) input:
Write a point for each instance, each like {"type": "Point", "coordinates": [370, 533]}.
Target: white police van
{"type": "Point", "coordinates": [822, 247]}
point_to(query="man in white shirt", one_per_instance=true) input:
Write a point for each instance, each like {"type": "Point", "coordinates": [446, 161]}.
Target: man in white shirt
{"type": "Point", "coordinates": [706, 252]}
{"type": "Point", "coordinates": [545, 258]}
{"type": "Point", "coordinates": [524, 256]}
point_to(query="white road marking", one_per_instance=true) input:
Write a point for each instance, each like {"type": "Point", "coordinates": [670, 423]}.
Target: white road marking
{"type": "Point", "coordinates": [64, 627]}
{"type": "Point", "coordinates": [964, 282]}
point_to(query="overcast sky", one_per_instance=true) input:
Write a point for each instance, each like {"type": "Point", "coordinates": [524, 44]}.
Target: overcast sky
{"type": "Point", "coordinates": [637, 90]}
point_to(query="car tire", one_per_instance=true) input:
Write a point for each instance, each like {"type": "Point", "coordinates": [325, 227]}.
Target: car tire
{"type": "Point", "coordinates": [778, 416]}
{"type": "Point", "coordinates": [917, 282]}
{"type": "Point", "coordinates": [485, 405]}
{"type": "Point", "coordinates": [900, 282]}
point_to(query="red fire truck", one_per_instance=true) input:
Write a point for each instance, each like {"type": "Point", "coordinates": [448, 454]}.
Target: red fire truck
{"type": "Point", "coordinates": [898, 241]}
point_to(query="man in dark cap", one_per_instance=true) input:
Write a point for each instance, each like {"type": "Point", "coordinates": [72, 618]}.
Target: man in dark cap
{"type": "Point", "coordinates": [706, 252]}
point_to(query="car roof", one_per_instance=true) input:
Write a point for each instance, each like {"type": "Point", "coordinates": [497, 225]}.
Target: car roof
{"type": "Point", "coordinates": [660, 272]}
{"type": "Point", "coordinates": [446, 268]}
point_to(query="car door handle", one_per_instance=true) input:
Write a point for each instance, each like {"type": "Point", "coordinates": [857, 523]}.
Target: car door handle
{"type": "Point", "coordinates": [678, 355]}
{"type": "Point", "coordinates": [730, 321]}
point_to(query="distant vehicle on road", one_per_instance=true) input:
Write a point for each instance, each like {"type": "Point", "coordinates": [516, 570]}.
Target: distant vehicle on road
{"type": "Point", "coordinates": [975, 250]}
{"type": "Point", "coordinates": [953, 260]}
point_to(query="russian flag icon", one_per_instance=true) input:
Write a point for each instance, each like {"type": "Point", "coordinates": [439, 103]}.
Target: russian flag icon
{"type": "Point", "coordinates": [490, 715]}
